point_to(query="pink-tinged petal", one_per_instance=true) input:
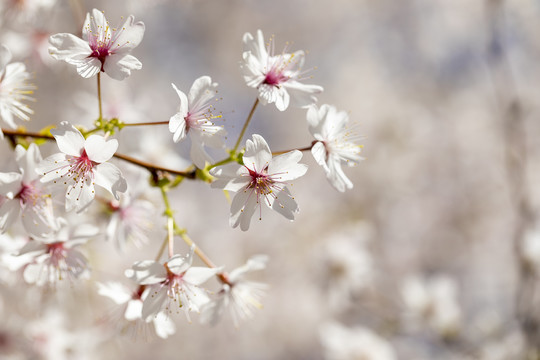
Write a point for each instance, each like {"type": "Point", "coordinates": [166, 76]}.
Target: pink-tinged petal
{"type": "Point", "coordinates": [133, 310]}
{"type": "Point", "coordinates": [177, 125]}
{"type": "Point", "coordinates": [100, 150]}
{"type": "Point", "coordinates": [199, 275]}
{"type": "Point", "coordinates": [115, 291]}
{"type": "Point", "coordinates": [319, 153]}
{"type": "Point", "coordinates": [28, 161]}
{"type": "Point", "coordinates": [119, 66]}
{"type": "Point", "coordinates": [201, 91]}
{"type": "Point", "coordinates": [243, 207]}
{"type": "Point", "coordinates": [147, 272]}
{"type": "Point", "coordinates": [9, 213]}
{"type": "Point", "coordinates": [285, 204]}
{"type": "Point", "coordinates": [285, 167]}
{"type": "Point", "coordinates": [79, 195]}
{"type": "Point", "coordinates": [10, 184]}
{"type": "Point", "coordinates": [69, 48]}
{"type": "Point", "coordinates": [70, 141]}
{"type": "Point", "coordinates": [54, 167]}
{"type": "Point", "coordinates": [94, 24]}
{"type": "Point", "coordinates": [130, 36]}
{"type": "Point", "coordinates": [258, 154]}
{"type": "Point", "coordinates": [154, 302]}
{"type": "Point", "coordinates": [109, 177]}
{"type": "Point", "coordinates": [5, 57]}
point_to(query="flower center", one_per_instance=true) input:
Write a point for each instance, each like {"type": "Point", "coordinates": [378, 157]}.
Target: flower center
{"type": "Point", "coordinates": [101, 52]}
{"type": "Point", "coordinates": [262, 183]}
{"type": "Point", "coordinates": [81, 166]}
{"type": "Point", "coordinates": [275, 77]}
{"type": "Point", "coordinates": [57, 253]}
{"type": "Point", "coordinates": [28, 194]}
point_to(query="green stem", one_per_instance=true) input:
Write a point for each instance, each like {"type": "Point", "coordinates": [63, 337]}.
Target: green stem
{"type": "Point", "coordinates": [146, 123]}
{"type": "Point", "coordinates": [246, 125]}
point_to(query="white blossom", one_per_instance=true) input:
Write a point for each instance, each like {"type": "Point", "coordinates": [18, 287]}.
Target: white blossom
{"type": "Point", "coordinates": [239, 296]}
{"type": "Point", "coordinates": [24, 196]}
{"type": "Point", "coordinates": [80, 165]}
{"type": "Point", "coordinates": [262, 179]}
{"type": "Point", "coordinates": [14, 90]}
{"type": "Point", "coordinates": [276, 77]}
{"type": "Point", "coordinates": [343, 343]}
{"type": "Point", "coordinates": [102, 48]}
{"type": "Point", "coordinates": [195, 117]}
{"type": "Point", "coordinates": [172, 285]}
{"type": "Point", "coordinates": [335, 143]}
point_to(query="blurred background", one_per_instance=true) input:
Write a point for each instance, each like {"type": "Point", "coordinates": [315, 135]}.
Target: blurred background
{"type": "Point", "coordinates": [435, 252]}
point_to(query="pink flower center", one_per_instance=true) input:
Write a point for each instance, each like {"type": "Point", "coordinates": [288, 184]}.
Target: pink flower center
{"type": "Point", "coordinates": [57, 252]}
{"type": "Point", "coordinates": [275, 77]}
{"type": "Point", "coordinates": [100, 52]}
{"type": "Point", "coordinates": [81, 166]}
{"type": "Point", "coordinates": [261, 183]}
{"type": "Point", "coordinates": [28, 194]}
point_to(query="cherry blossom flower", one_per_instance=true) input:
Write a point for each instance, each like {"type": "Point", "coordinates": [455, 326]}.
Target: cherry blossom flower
{"type": "Point", "coordinates": [25, 195]}
{"type": "Point", "coordinates": [174, 281]}
{"type": "Point", "coordinates": [241, 297]}
{"type": "Point", "coordinates": [102, 48]}
{"type": "Point", "coordinates": [342, 343]}
{"type": "Point", "coordinates": [276, 77]}
{"type": "Point", "coordinates": [130, 221]}
{"type": "Point", "coordinates": [81, 164]}
{"type": "Point", "coordinates": [262, 179]}
{"type": "Point", "coordinates": [128, 316]}
{"type": "Point", "coordinates": [335, 143]}
{"type": "Point", "coordinates": [433, 301]}
{"type": "Point", "coordinates": [55, 257]}
{"type": "Point", "coordinates": [14, 89]}
{"type": "Point", "coordinates": [195, 116]}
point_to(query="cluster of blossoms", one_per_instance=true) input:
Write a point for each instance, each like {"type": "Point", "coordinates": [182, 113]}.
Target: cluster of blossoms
{"type": "Point", "coordinates": [75, 176]}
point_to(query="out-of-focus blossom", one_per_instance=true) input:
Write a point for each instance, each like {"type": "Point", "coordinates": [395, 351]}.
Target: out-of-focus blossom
{"type": "Point", "coordinates": [129, 320]}
{"type": "Point", "coordinates": [342, 343]}
{"type": "Point", "coordinates": [56, 257]}
{"type": "Point", "coordinates": [25, 11]}
{"type": "Point", "coordinates": [195, 116]}
{"type": "Point", "coordinates": [335, 143]}
{"type": "Point", "coordinates": [276, 77]}
{"type": "Point", "coordinates": [14, 89]}
{"type": "Point", "coordinates": [239, 296]}
{"type": "Point", "coordinates": [347, 264]}
{"type": "Point", "coordinates": [81, 164]}
{"type": "Point", "coordinates": [174, 281]}
{"type": "Point", "coordinates": [24, 195]}
{"type": "Point", "coordinates": [262, 179]}
{"type": "Point", "coordinates": [130, 221]}
{"type": "Point", "coordinates": [433, 301]}
{"type": "Point", "coordinates": [102, 48]}
{"type": "Point", "coordinates": [530, 249]}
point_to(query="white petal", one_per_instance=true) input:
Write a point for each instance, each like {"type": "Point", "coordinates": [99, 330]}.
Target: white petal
{"type": "Point", "coordinates": [69, 48]}
{"type": "Point", "coordinates": [100, 150]}
{"type": "Point", "coordinates": [53, 167]}
{"type": "Point", "coordinates": [109, 177]}
{"type": "Point", "coordinates": [198, 154]}
{"type": "Point", "coordinates": [79, 195]}
{"type": "Point", "coordinates": [28, 160]}
{"type": "Point", "coordinates": [154, 302]}
{"type": "Point", "coordinates": [119, 66]}
{"type": "Point", "coordinates": [319, 154]}
{"type": "Point", "coordinates": [285, 167]}
{"type": "Point", "coordinates": [9, 213]}
{"type": "Point", "coordinates": [177, 125]}
{"type": "Point", "coordinates": [285, 204]}
{"type": "Point", "coordinates": [242, 209]}
{"type": "Point", "coordinates": [258, 154]}
{"type": "Point", "coordinates": [164, 325]}
{"type": "Point", "coordinates": [201, 91]}
{"type": "Point", "coordinates": [199, 275]}
{"type": "Point", "coordinates": [282, 98]}
{"type": "Point", "coordinates": [133, 310]}
{"type": "Point", "coordinates": [302, 95]}
{"type": "Point", "coordinates": [10, 184]}
{"type": "Point", "coordinates": [5, 57]}
{"type": "Point", "coordinates": [88, 67]}
{"type": "Point", "coordinates": [131, 35]}
{"type": "Point", "coordinates": [114, 291]}
{"type": "Point", "coordinates": [69, 140]}
{"type": "Point", "coordinates": [147, 272]}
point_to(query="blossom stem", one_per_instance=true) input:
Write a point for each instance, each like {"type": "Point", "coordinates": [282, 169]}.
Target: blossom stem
{"type": "Point", "coordinates": [170, 237]}
{"type": "Point", "coordinates": [99, 95]}
{"type": "Point", "coordinates": [241, 136]}
{"type": "Point", "coordinates": [307, 148]}
{"type": "Point", "coordinates": [191, 174]}
{"type": "Point", "coordinates": [146, 123]}
{"type": "Point", "coordinates": [222, 162]}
